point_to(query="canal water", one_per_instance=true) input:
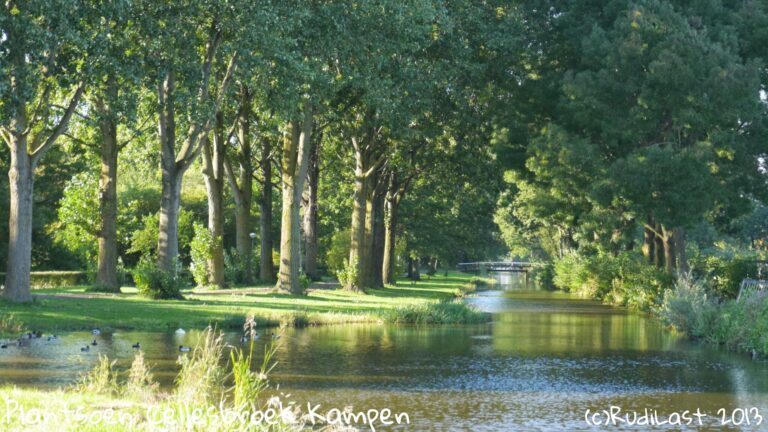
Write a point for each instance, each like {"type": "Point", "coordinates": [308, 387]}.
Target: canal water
{"type": "Point", "coordinates": [548, 361]}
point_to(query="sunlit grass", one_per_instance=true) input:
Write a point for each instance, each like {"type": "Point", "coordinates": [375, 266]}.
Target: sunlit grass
{"type": "Point", "coordinates": [73, 308]}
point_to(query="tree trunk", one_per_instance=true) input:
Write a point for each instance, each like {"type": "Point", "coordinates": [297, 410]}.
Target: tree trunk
{"type": "Point", "coordinates": [669, 249]}
{"type": "Point", "coordinates": [648, 245]}
{"type": "Point", "coordinates": [266, 266]}
{"type": "Point", "coordinates": [20, 177]}
{"type": "Point", "coordinates": [168, 233]}
{"type": "Point", "coordinates": [242, 186]}
{"type": "Point", "coordinates": [357, 228]}
{"type": "Point", "coordinates": [377, 238]}
{"type": "Point", "coordinates": [213, 171]}
{"type": "Point", "coordinates": [682, 260]}
{"type": "Point", "coordinates": [415, 269]}
{"type": "Point", "coordinates": [658, 247]}
{"type": "Point", "coordinates": [172, 174]}
{"type": "Point", "coordinates": [367, 251]}
{"type": "Point", "coordinates": [390, 239]}
{"type": "Point", "coordinates": [106, 276]}
{"type": "Point", "coordinates": [310, 212]}
{"type": "Point", "coordinates": [295, 160]}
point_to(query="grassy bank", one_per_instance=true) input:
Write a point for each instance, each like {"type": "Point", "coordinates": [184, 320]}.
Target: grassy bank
{"type": "Point", "coordinates": [76, 309]}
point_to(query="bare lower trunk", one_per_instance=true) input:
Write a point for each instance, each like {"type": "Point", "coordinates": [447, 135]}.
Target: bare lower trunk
{"type": "Point", "coordinates": [668, 241]}
{"type": "Point", "coordinates": [106, 276]}
{"type": "Point", "coordinates": [682, 257]}
{"type": "Point", "coordinates": [241, 184]}
{"type": "Point", "coordinates": [310, 213]}
{"type": "Point", "coordinates": [296, 149]}
{"type": "Point", "coordinates": [390, 238]}
{"type": "Point", "coordinates": [168, 233]}
{"type": "Point", "coordinates": [658, 247]}
{"type": "Point", "coordinates": [213, 154]}
{"type": "Point", "coordinates": [17, 277]}
{"type": "Point", "coordinates": [357, 227]}
{"type": "Point", "coordinates": [266, 267]}
{"type": "Point", "coordinates": [377, 252]}
{"type": "Point", "coordinates": [648, 245]}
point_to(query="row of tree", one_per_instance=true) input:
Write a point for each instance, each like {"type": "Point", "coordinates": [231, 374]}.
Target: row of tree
{"type": "Point", "coordinates": [253, 92]}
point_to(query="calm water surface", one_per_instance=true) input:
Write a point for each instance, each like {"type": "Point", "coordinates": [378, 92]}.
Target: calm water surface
{"type": "Point", "coordinates": [545, 359]}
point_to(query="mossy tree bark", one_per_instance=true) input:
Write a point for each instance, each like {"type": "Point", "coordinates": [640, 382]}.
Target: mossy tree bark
{"type": "Point", "coordinates": [266, 266]}
{"type": "Point", "coordinates": [295, 160]}
{"type": "Point", "coordinates": [213, 171]}
{"type": "Point", "coordinates": [310, 210]}
{"type": "Point", "coordinates": [26, 149]}
{"type": "Point", "coordinates": [106, 275]}
{"type": "Point", "coordinates": [370, 154]}
{"type": "Point", "coordinates": [241, 183]}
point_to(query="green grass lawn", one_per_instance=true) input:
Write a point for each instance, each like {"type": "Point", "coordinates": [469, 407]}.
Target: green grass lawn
{"type": "Point", "coordinates": [75, 309]}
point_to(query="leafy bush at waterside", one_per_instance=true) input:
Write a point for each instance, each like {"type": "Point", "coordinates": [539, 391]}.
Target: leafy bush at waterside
{"type": "Point", "coordinates": [693, 308]}
{"type": "Point", "coordinates": [624, 279]}
{"type": "Point", "coordinates": [724, 273]}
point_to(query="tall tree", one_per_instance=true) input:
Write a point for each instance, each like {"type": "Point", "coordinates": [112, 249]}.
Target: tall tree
{"type": "Point", "coordinates": [42, 50]}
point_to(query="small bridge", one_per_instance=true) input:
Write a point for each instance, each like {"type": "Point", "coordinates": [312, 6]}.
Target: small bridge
{"type": "Point", "coordinates": [498, 266]}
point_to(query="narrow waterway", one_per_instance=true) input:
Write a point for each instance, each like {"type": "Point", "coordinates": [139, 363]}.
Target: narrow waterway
{"type": "Point", "coordinates": [545, 360]}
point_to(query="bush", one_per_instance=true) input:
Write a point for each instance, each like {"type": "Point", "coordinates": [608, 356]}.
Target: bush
{"type": "Point", "coordinates": [544, 275]}
{"type": "Point", "coordinates": [690, 308]}
{"type": "Point", "coordinates": [200, 251]}
{"type": "Point", "coordinates": [348, 274]}
{"type": "Point", "coordinates": [236, 267]}
{"type": "Point", "coordinates": [724, 273]}
{"type": "Point", "coordinates": [338, 253]}
{"type": "Point", "coordinates": [156, 283]}
{"type": "Point", "coordinates": [739, 325]}
{"type": "Point", "coordinates": [624, 280]}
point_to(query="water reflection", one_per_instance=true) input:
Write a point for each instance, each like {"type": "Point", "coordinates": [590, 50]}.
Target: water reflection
{"type": "Point", "coordinates": [545, 359]}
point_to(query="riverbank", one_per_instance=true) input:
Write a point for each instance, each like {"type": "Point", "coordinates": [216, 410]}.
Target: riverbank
{"type": "Point", "coordinates": [58, 310]}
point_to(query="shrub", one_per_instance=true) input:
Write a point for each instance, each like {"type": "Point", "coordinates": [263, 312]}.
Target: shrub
{"type": "Point", "coordinates": [690, 308]}
{"type": "Point", "coordinates": [236, 267]}
{"type": "Point", "coordinates": [156, 283]}
{"type": "Point", "coordinates": [338, 252]}
{"type": "Point", "coordinates": [544, 275]}
{"type": "Point", "coordinates": [724, 273]}
{"type": "Point", "coordinates": [200, 250]}
{"type": "Point", "coordinates": [305, 281]}
{"type": "Point", "coordinates": [624, 280]}
{"type": "Point", "coordinates": [348, 273]}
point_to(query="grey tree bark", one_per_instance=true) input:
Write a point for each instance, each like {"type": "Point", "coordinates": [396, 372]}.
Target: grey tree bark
{"type": "Point", "coordinates": [106, 275]}
{"type": "Point", "coordinates": [310, 210]}
{"type": "Point", "coordinates": [213, 171]}
{"type": "Point", "coordinates": [26, 151]}
{"type": "Point", "coordinates": [266, 266]}
{"type": "Point", "coordinates": [295, 160]}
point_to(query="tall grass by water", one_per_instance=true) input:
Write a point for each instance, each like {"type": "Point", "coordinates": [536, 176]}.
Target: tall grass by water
{"type": "Point", "coordinates": [106, 399]}
{"type": "Point", "coordinates": [695, 309]}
